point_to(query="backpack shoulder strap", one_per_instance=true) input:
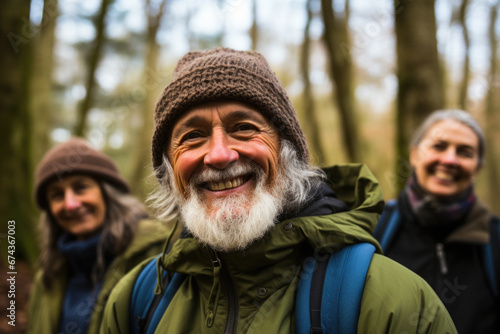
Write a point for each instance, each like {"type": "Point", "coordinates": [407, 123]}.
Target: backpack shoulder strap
{"type": "Point", "coordinates": [491, 255]}
{"type": "Point", "coordinates": [142, 296]}
{"type": "Point", "coordinates": [329, 292]}
{"type": "Point", "coordinates": [388, 224]}
{"type": "Point", "coordinates": [146, 307]}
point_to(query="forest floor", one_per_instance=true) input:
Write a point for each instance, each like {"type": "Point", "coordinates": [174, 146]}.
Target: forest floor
{"type": "Point", "coordinates": [16, 294]}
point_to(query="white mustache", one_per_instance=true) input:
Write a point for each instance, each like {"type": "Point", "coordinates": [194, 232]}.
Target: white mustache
{"type": "Point", "coordinates": [232, 171]}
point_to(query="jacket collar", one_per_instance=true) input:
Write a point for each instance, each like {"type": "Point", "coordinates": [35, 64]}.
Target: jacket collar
{"type": "Point", "coordinates": [297, 237]}
{"type": "Point", "coordinates": [476, 226]}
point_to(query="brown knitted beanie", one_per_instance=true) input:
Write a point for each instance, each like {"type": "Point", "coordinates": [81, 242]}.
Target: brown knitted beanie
{"type": "Point", "coordinates": [225, 75]}
{"type": "Point", "coordinates": [74, 157]}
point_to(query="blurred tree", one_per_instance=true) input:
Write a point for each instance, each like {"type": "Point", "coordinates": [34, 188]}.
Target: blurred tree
{"type": "Point", "coordinates": [338, 47]}
{"type": "Point", "coordinates": [94, 57]}
{"type": "Point", "coordinates": [493, 115]}
{"type": "Point", "coordinates": [464, 85]}
{"type": "Point", "coordinates": [421, 88]}
{"type": "Point", "coordinates": [151, 84]}
{"type": "Point", "coordinates": [16, 174]}
{"type": "Point", "coordinates": [312, 125]}
{"type": "Point", "coordinates": [187, 21]}
{"type": "Point", "coordinates": [347, 10]}
{"type": "Point", "coordinates": [254, 29]}
{"type": "Point", "coordinates": [41, 83]}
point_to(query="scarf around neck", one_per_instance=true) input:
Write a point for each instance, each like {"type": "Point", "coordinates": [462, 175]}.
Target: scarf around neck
{"type": "Point", "coordinates": [432, 211]}
{"type": "Point", "coordinates": [81, 291]}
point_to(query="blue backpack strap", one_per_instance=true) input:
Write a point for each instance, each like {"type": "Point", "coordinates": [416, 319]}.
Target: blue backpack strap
{"type": "Point", "coordinates": [342, 288]}
{"type": "Point", "coordinates": [316, 296]}
{"type": "Point", "coordinates": [142, 296]}
{"type": "Point", "coordinates": [146, 307]}
{"type": "Point", "coordinates": [161, 307]}
{"type": "Point", "coordinates": [491, 256]}
{"type": "Point", "coordinates": [388, 224]}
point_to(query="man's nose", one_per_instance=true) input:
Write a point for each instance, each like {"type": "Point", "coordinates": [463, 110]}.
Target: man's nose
{"type": "Point", "coordinates": [220, 154]}
{"type": "Point", "coordinates": [71, 201]}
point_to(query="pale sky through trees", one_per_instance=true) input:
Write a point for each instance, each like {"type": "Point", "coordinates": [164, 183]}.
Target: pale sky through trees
{"type": "Point", "coordinates": [282, 21]}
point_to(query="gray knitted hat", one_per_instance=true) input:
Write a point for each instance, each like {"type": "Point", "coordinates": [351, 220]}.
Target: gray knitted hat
{"type": "Point", "coordinates": [75, 156]}
{"type": "Point", "coordinates": [225, 75]}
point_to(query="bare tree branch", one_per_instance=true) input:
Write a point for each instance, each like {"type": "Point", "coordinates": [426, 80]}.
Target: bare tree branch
{"type": "Point", "coordinates": [339, 47]}
{"type": "Point", "coordinates": [421, 86]}
{"type": "Point", "coordinates": [151, 84]}
{"type": "Point", "coordinates": [95, 57]}
{"type": "Point", "coordinates": [464, 86]}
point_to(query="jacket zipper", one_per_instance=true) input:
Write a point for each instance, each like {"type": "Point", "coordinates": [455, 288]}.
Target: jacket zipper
{"type": "Point", "coordinates": [232, 299]}
{"type": "Point", "coordinates": [442, 258]}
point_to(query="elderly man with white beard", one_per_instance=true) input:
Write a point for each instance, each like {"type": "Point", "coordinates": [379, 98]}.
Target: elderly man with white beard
{"type": "Point", "coordinates": [233, 169]}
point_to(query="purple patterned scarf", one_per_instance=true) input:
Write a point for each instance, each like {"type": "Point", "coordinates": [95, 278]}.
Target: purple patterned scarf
{"type": "Point", "coordinates": [433, 211]}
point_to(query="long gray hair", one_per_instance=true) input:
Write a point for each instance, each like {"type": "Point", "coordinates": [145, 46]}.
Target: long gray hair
{"type": "Point", "coordinates": [123, 213]}
{"type": "Point", "coordinates": [301, 178]}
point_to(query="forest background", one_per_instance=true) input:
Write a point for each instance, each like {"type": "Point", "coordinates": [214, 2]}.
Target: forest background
{"type": "Point", "coordinates": [361, 74]}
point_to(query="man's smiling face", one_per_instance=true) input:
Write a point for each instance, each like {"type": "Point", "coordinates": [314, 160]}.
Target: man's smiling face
{"type": "Point", "coordinates": [224, 159]}
{"type": "Point", "coordinates": [217, 146]}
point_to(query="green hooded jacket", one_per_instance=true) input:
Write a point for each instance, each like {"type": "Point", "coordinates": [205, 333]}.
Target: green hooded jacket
{"type": "Point", "coordinates": [254, 290]}
{"type": "Point", "coordinates": [46, 304]}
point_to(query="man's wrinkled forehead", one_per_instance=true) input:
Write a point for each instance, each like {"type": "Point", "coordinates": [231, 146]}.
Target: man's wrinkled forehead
{"type": "Point", "coordinates": [203, 114]}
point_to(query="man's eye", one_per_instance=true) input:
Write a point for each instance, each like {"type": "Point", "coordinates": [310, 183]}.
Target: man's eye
{"type": "Point", "coordinates": [191, 136]}
{"type": "Point", "coordinates": [245, 127]}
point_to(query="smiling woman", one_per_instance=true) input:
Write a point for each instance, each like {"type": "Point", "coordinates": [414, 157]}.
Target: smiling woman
{"type": "Point", "coordinates": [92, 232]}
{"type": "Point", "coordinates": [443, 227]}
{"type": "Point", "coordinates": [446, 160]}
{"type": "Point", "coordinates": [77, 204]}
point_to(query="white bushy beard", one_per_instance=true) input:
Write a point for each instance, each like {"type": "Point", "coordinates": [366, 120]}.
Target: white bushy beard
{"type": "Point", "coordinates": [235, 221]}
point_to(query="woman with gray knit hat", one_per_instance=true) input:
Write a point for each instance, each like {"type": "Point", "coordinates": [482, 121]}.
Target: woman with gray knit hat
{"type": "Point", "coordinates": [92, 232]}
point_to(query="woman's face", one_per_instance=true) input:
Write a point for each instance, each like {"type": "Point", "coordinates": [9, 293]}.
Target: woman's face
{"type": "Point", "coordinates": [446, 160]}
{"type": "Point", "coordinates": [77, 204]}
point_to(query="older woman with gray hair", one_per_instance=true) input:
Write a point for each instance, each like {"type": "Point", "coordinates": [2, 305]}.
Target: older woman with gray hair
{"type": "Point", "coordinates": [439, 228]}
{"type": "Point", "coordinates": [92, 233]}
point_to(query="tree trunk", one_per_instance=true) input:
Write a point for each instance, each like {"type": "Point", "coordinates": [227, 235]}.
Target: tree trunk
{"type": "Point", "coordinates": [421, 88]}
{"type": "Point", "coordinates": [338, 46]}
{"type": "Point", "coordinates": [41, 91]}
{"type": "Point", "coordinates": [16, 170]}
{"type": "Point", "coordinates": [254, 29]}
{"type": "Point", "coordinates": [493, 117]}
{"type": "Point", "coordinates": [94, 58]}
{"type": "Point", "coordinates": [464, 86]}
{"type": "Point", "coordinates": [311, 124]}
{"type": "Point", "coordinates": [151, 84]}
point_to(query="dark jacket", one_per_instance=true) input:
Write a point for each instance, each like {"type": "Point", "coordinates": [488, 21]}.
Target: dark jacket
{"type": "Point", "coordinates": [45, 304]}
{"type": "Point", "coordinates": [450, 261]}
{"type": "Point", "coordinates": [254, 290]}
